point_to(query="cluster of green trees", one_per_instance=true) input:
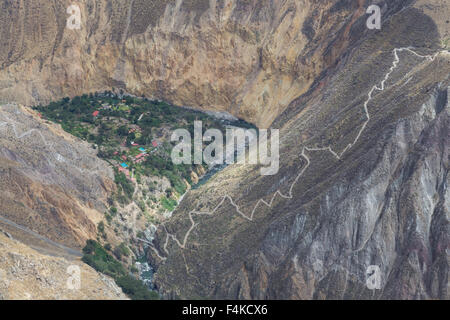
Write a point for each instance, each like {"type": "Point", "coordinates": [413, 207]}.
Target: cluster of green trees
{"type": "Point", "coordinates": [123, 183]}
{"type": "Point", "coordinates": [101, 229]}
{"type": "Point", "coordinates": [112, 126]}
{"type": "Point", "coordinates": [121, 250]}
{"type": "Point", "coordinates": [106, 132]}
{"type": "Point", "coordinates": [98, 258]}
{"type": "Point", "coordinates": [176, 179]}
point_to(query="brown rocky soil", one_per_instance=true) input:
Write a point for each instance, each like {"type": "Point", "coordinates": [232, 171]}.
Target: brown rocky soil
{"type": "Point", "coordinates": [26, 274]}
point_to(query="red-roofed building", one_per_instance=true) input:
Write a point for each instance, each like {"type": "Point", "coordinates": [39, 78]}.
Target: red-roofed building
{"type": "Point", "coordinates": [95, 113]}
{"type": "Point", "coordinates": [154, 144]}
{"type": "Point", "coordinates": [141, 156]}
{"type": "Point", "coordinates": [124, 158]}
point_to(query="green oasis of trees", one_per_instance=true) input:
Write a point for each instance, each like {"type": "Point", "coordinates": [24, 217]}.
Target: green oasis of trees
{"type": "Point", "coordinates": [117, 127]}
{"type": "Point", "coordinates": [98, 258]}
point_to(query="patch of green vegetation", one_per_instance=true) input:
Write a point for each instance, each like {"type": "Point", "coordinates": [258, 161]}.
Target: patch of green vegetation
{"type": "Point", "coordinates": [133, 135]}
{"type": "Point", "coordinates": [150, 219]}
{"type": "Point", "coordinates": [125, 184]}
{"type": "Point", "coordinates": [101, 229]}
{"type": "Point", "coordinates": [98, 258]}
{"type": "Point", "coordinates": [121, 250]}
{"type": "Point", "coordinates": [134, 269]}
{"type": "Point", "coordinates": [141, 205]}
{"type": "Point", "coordinates": [168, 204]}
{"type": "Point", "coordinates": [115, 125]}
{"type": "Point", "coordinates": [135, 288]}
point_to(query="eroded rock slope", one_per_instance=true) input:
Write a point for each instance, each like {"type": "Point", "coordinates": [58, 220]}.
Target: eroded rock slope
{"type": "Point", "coordinates": [363, 182]}
{"type": "Point", "coordinates": [251, 58]}
{"type": "Point", "coordinates": [52, 183]}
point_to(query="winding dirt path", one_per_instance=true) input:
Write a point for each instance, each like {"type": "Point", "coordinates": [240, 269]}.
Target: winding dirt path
{"type": "Point", "coordinates": [329, 149]}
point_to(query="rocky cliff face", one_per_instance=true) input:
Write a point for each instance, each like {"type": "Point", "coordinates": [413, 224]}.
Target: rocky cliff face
{"type": "Point", "coordinates": [363, 182]}
{"type": "Point", "coordinates": [52, 183]}
{"type": "Point", "coordinates": [251, 58]}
